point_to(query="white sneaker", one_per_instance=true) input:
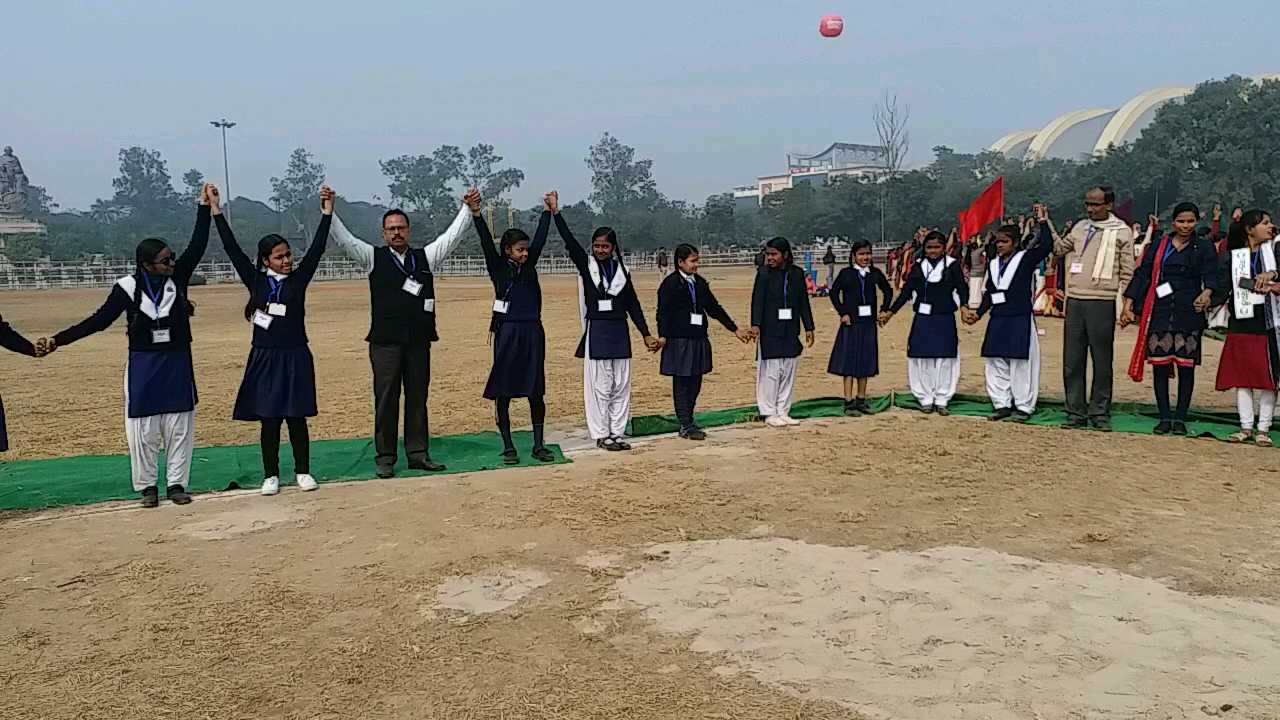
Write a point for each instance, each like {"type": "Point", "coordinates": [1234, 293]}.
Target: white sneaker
{"type": "Point", "coordinates": [790, 420]}
{"type": "Point", "coordinates": [271, 486]}
{"type": "Point", "coordinates": [306, 483]}
{"type": "Point", "coordinates": [775, 421]}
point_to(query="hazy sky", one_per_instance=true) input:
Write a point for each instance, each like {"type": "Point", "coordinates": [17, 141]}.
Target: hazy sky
{"type": "Point", "coordinates": [715, 93]}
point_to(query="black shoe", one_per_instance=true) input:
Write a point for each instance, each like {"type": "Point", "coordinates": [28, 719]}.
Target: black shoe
{"type": "Point", "coordinates": [177, 495]}
{"type": "Point", "coordinates": [863, 406]}
{"type": "Point", "coordinates": [607, 444]}
{"type": "Point", "coordinates": [942, 410]}
{"type": "Point", "coordinates": [1101, 424]}
{"type": "Point", "coordinates": [542, 454]}
{"type": "Point", "coordinates": [622, 444]}
{"type": "Point", "coordinates": [1001, 414]}
{"type": "Point", "coordinates": [426, 464]}
{"type": "Point", "coordinates": [1020, 417]}
{"type": "Point", "coordinates": [693, 433]}
{"type": "Point", "coordinates": [851, 408]}
{"type": "Point", "coordinates": [150, 497]}
{"type": "Point", "coordinates": [927, 409]}
{"type": "Point", "coordinates": [386, 471]}
{"type": "Point", "coordinates": [1163, 428]}
{"type": "Point", "coordinates": [1178, 428]}
{"type": "Point", "coordinates": [1076, 423]}
{"type": "Point", "coordinates": [510, 457]}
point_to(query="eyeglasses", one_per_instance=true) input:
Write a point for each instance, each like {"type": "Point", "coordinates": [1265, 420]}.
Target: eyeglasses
{"type": "Point", "coordinates": [166, 260]}
{"type": "Point", "coordinates": [1093, 203]}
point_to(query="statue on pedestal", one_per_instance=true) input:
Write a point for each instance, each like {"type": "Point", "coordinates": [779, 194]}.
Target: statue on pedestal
{"type": "Point", "coordinates": [14, 187]}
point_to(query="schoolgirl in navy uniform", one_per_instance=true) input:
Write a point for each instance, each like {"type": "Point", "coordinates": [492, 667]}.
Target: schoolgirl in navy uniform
{"type": "Point", "coordinates": [519, 342]}
{"type": "Point", "coordinates": [685, 301]}
{"type": "Point", "coordinates": [779, 308]}
{"type": "Point", "coordinates": [160, 379]}
{"type": "Point", "coordinates": [279, 382]}
{"type": "Point", "coordinates": [855, 356]}
{"type": "Point", "coordinates": [933, 347]}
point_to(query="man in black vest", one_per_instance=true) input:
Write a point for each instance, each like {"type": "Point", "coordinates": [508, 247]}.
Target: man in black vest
{"type": "Point", "coordinates": [403, 308]}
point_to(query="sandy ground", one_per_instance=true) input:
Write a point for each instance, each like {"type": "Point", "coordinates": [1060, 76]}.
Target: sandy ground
{"type": "Point", "coordinates": [70, 403]}
{"type": "Point", "coordinates": [899, 566]}
{"type": "Point", "coordinates": [910, 573]}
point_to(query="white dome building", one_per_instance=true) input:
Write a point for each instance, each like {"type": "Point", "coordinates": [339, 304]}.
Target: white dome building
{"type": "Point", "coordinates": [1081, 134]}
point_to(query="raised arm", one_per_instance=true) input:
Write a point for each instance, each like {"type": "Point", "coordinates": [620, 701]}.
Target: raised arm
{"type": "Point", "coordinates": [571, 245]}
{"type": "Point", "coordinates": [1065, 245]}
{"type": "Point", "coordinates": [539, 238]}
{"type": "Point", "coordinates": [352, 246]}
{"type": "Point", "coordinates": [492, 261]}
{"type": "Point", "coordinates": [311, 261]}
{"type": "Point", "coordinates": [245, 267]}
{"type": "Point", "coordinates": [1044, 244]}
{"type": "Point", "coordinates": [448, 241]}
{"type": "Point", "coordinates": [186, 264]}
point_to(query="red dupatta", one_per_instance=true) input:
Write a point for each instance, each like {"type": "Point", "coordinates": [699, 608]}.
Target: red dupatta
{"type": "Point", "coordinates": [1138, 360]}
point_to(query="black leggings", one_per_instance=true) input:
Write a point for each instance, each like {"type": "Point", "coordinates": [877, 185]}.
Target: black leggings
{"type": "Point", "coordinates": [684, 391]}
{"type": "Point", "coordinates": [299, 440]}
{"type": "Point", "coordinates": [1186, 384]}
{"type": "Point", "coordinates": [537, 413]}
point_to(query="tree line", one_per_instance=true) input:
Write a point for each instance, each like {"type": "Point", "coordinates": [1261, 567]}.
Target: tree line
{"type": "Point", "coordinates": [1218, 145]}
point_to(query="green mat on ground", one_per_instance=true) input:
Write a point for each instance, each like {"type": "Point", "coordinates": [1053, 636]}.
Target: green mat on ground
{"type": "Point", "coordinates": [34, 484]}
{"type": "Point", "coordinates": [1125, 417]}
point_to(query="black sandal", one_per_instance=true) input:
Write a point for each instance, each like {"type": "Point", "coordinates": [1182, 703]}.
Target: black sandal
{"type": "Point", "coordinates": [541, 454]}
{"type": "Point", "coordinates": [621, 444]}
{"type": "Point", "coordinates": [608, 444]}
{"type": "Point", "coordinates": [510, 457]}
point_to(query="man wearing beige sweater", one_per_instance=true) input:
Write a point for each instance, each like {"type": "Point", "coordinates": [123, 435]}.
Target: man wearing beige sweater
{"type": "Point", "coordinates": [1099, 264]}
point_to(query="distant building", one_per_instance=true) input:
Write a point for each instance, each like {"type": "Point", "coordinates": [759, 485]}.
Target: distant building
{"type": "Point", "coordinates": [1082, 134]}
{"type": "Point", "coordinates": [838, 160]}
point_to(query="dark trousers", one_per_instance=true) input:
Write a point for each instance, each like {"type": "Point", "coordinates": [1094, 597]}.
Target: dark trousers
{"type": "Point", "coordinates": [396, 366]}
{"type": "Point", "coordinates": [1089, 333]}
{"type": "Point", "coordinates": [684, 391]}
{"type": "Point", "coordinates": [299, 440]}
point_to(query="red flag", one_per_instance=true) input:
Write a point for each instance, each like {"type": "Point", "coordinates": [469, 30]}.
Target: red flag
{"type": "Point", "coordinates": [986, 209]}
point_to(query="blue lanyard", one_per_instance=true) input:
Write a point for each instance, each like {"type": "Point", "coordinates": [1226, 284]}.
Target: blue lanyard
{"type": "Point", "coordinates": [606, 276]}
{"type": "Point", "coordinates": [413, 263]}
{"type": "Point", "coordinates": [1256, 263]}
{"type": "Point", "coordinates": [155, 296]}
{"type": "Point", "coordinates": [862, 286]}
{"type": "Point", "coordinates": [693, 293]}
{"type": "Point", "coordinates": [515, 269]}
{"type": "Point", "coordinates": [1087, 238]}
{"type": "Point", "coordinates": [277, 286]}
{"type": "Point", "coordinates": [1002, 267]}
{"type": "Point", "coordinates": [1164, 258]}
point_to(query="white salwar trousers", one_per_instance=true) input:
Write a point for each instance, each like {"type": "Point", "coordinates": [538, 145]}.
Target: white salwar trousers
{"type": "Point", "coordinates": [933, 380]}
{"type": "Point", "coordinates": [606, 395]}
{"type": "Point", "coordinates": [174, 433]}
{"type": "Point", "coordinates": [1015, 383]}
{"type": "Point", "coordinates": [776, 385]}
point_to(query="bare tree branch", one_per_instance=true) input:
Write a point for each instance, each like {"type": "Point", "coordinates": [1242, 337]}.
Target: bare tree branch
{"type": "Point", "coordinates": [891, 126]}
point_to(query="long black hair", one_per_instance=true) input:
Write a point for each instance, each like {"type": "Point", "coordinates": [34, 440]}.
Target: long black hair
{"type": "Point", "coordinates": [683, 251]}
{"type": "Point", "coordinates": [144, 254]}
{"type": "Point", "coordinates": [781, 245]}
{"type": "Point", "coordinates": [266, 245]}
{"type": "Point", "coordinates": [1238, 235]}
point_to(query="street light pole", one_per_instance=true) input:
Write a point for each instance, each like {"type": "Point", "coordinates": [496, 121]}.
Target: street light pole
{"type": "Point", "coordinates": [224, 124]}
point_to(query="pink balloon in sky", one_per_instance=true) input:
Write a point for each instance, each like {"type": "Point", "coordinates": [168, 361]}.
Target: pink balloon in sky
{"type": "Point", "coordinates": [831, 26]}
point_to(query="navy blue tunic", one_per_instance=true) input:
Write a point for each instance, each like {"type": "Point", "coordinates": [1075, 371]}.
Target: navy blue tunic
{"type": "Point", "coordinates": [776, 289]}
{"type": "Point", "coordinates": [607, 331]}
{"type": "Point", "coordinates": [688, 349]}
{"type": "Point", "coordinates": [856, 352]}
{"type": "Point", "coordinates": [280, 375]}
{"type": "Point", "coordinates": [519, 342]}
{"type": "Point", "coordinates": [1011, 323]}
{"type": "Point", "coordinates": [934, 335]}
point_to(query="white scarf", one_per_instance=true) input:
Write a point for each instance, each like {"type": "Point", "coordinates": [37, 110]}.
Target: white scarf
{"type": "Point", "coordinates": [615, 287]}
{"type": "Point", "coordinates": [168, 294]}
{"type": "Point", "coordinates": [934, 274]}
{"type": "Point", "coordinates": [1002, 273]}
{"type": "Point", "coordinates": [1245, 300]}
{"type": "Point", "coordinates": [1105, 261]}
